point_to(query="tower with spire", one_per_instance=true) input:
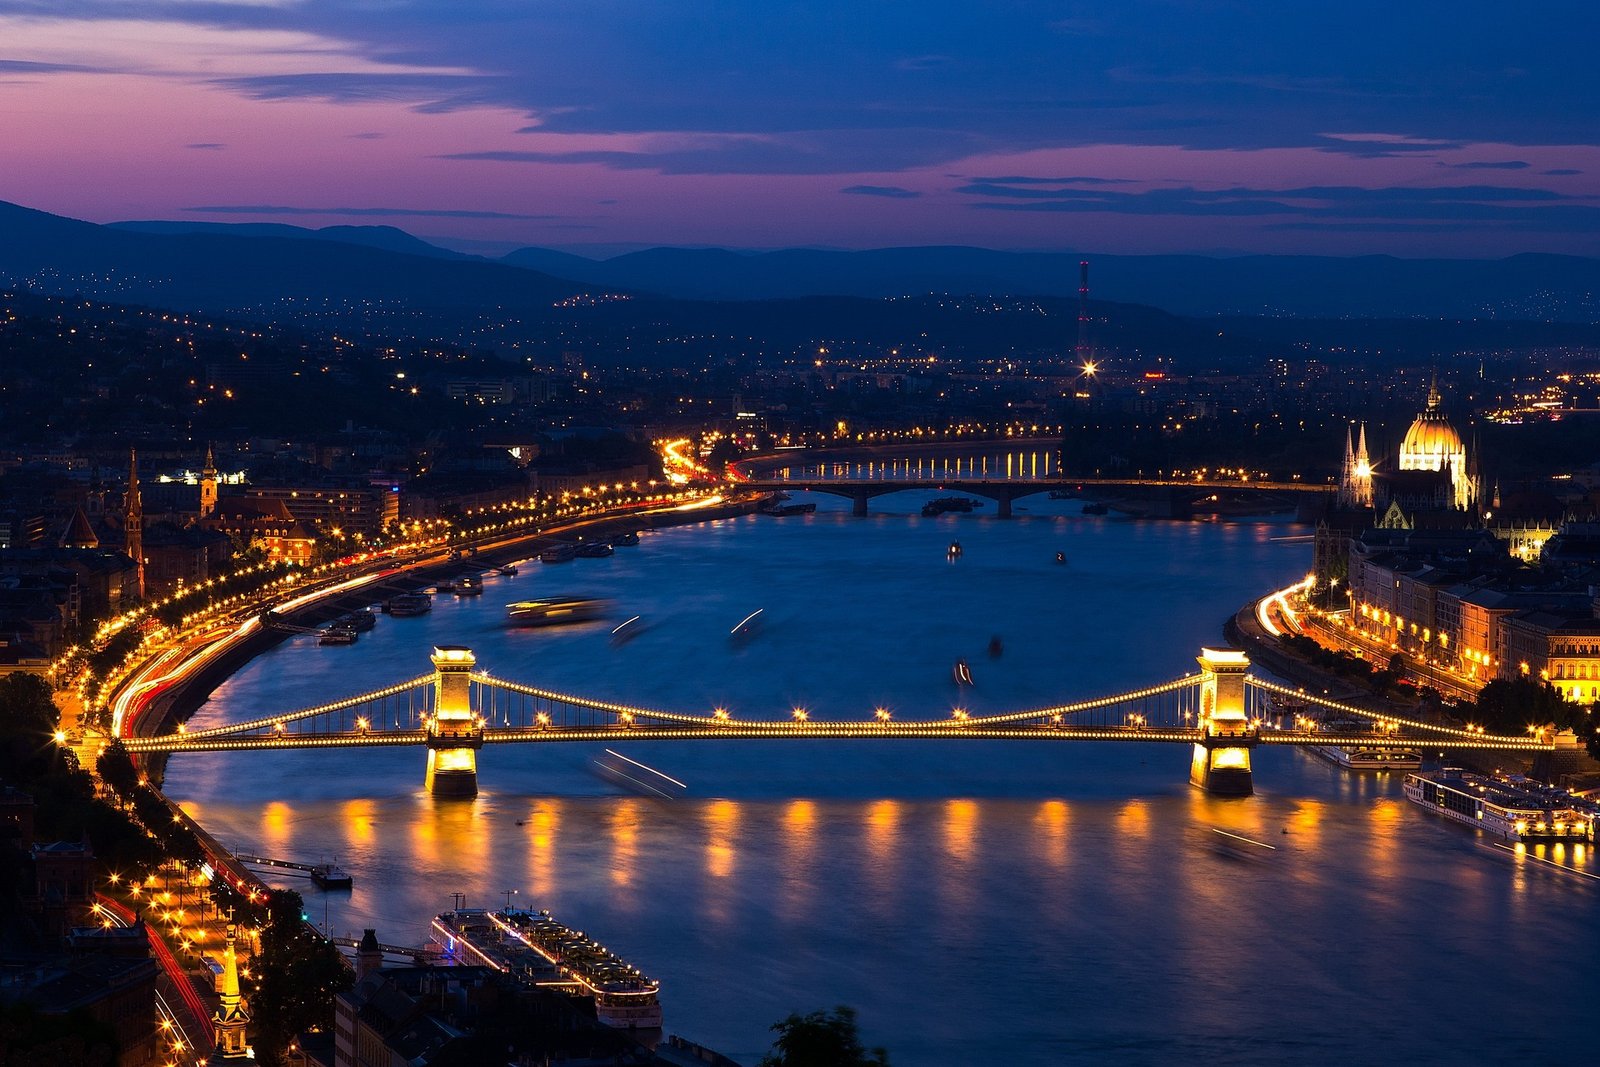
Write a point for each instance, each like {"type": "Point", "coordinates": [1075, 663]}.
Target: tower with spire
{"type": "Point", "coordinates": [133, 520]}
{"type": "Point", "coordinates": [1355, 480]}
{"type": "Point", "coordinates": [231, 1016]}
{"type": "Point", "coordinates": [208, 486]}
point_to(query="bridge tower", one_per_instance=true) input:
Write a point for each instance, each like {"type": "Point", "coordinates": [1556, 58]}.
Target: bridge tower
{"type": "Point", "coordinates": [1222, 755]}
{"type": "Point", "coordinates": [231, 1016]}
{"type": "Point", "coordinates": [454, 733]}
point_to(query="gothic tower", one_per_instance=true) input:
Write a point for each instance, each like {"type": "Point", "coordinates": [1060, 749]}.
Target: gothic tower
{"type": "Point", "coordinates": [133, 520]}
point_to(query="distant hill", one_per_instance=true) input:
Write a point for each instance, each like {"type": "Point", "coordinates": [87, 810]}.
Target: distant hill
{"type": "Point", "coordinates": [226, 270]}
{"type": "Point", "coordinates": [388, 238]}
{"type": "Point", "coordinates": [1526, 287]}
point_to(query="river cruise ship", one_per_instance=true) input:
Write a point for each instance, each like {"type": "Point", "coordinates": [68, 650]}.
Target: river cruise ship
{"type": "Point", "coordinates": [537, 950]}
{"type": "Point", "coordinates": [1499, 807]}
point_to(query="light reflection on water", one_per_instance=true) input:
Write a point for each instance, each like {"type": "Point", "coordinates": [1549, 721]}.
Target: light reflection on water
{"type": "Point", "coordinates": [977, 902]}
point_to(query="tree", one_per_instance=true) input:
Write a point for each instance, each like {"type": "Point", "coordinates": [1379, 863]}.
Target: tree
{"type": "Point", "coordinates": [1511, 706]}
{"type": "Point", "coordinates": [299, 974]}
{"type": "Point", "coordinates": [822, 1039]}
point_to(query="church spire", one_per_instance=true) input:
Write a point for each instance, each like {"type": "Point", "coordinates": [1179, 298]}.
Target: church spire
{"type": "Point", "coordinates": [208, 485]}
{"type": "Point", "coordinates": [133, 521]}
{"type": "Point", "coordinates": [231, 1015]}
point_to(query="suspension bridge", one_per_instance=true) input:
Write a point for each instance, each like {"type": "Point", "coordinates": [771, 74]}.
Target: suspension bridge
{"type": "Point", "coordinates": [1222, 711]}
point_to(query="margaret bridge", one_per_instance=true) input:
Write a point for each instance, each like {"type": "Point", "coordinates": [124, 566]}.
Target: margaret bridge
{"type": "Point", "coordinates": [1222, 712]}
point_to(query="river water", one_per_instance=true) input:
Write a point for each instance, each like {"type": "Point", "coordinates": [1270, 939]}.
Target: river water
{"type": "Point", "coordinates": [977, 902]}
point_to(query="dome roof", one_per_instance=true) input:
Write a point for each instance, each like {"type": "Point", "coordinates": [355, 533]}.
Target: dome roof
{"type": "Point", "coordinates": [1431, 437]}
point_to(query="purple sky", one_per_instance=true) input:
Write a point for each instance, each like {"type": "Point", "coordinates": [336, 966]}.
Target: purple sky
{"type": "Point", "coordinates": [1417, 128]}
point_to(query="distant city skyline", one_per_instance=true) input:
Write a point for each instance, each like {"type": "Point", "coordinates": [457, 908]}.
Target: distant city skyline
{"type": "Point", "coordinates": [1426, 129]}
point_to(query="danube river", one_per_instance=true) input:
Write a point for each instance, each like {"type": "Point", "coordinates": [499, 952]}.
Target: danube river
{"type": "Point", "coordinates": [977, 902]}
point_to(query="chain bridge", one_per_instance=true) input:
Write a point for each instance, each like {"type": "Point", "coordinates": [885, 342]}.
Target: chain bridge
{"type": "Point", "coordinates": [1221, 711]}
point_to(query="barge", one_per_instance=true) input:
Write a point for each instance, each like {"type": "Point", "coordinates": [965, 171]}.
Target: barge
{"type": "Point", "coordinates": [539, 951]}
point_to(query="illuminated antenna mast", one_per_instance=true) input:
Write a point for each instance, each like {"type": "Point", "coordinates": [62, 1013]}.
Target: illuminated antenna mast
{"type": "Point", "coordinates": [1083, 312]}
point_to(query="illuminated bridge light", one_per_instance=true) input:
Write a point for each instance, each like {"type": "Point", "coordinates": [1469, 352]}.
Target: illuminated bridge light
{"type": "Point", "coordinates": [882, 714]}
{"type": "Point", "coordinates": [800, 715]}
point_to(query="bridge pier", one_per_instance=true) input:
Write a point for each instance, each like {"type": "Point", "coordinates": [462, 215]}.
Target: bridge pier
{"type": "Point", "coordinates": [1221, 762]}
{"type": "Point", "coordinates": [858, 503]}
{"type": "Point", "coordinates": [454, 733]}
{"type": "Point", "coordinates": [1004, 509]}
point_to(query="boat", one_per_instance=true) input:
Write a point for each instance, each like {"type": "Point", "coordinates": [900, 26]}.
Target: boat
{"type": "Point", "coordinates": [954, 551]}
{"type": "Point", "coordinates": [1498, 806]}
{"type": "Point", "coordinates": [637, 777]}
{"type": "Point", "coordinates": [781, 510]}
{"type": "Point", "coordinates": [509, 570]}
{"type": "Point", "coordinates": [1062, 494]}
{"type": "Point", "coordinates": [360, 621]}
{"type": "Point", "coordinates": [962, 673]}
{"type": "Point", "coordinates": [1370, 757]}
{"type": "Point", "coordinates": [996, 649]}
{"type": "Point", "coordinates": [1061, 557]}
{"type": "Point", "coordinates": [1094, 507]}
{"type": "Point", "coordinates": [337, 635]}
{"type": "Point", "coordinates": [949, 503]}
{"type": "Point", "coordinates": [747, 625]}
{"type": "Point", "coordinates": [409, 604]}
{"type": "Point", "coordinates": [555, 611]}
{"type": "Point", "coordinates": [594, 550]}
{"type": "Point", "coordinates": [470, 585]}
{"type": "Point", "coordinates": [561, 553]}
{"type": "Point", "coordinates": [330, 876]}
{"type": "Point", "coordinates": [627, 540]}
{"type": "Point", "coordinates": [536, 950]}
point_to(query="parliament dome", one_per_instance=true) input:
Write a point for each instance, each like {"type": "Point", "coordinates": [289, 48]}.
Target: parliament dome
{"type": "Point", "coordinates": [1431, 442]}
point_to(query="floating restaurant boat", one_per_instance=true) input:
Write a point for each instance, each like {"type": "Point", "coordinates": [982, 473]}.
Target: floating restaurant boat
{"type": "Point", "coordinates": [539, 951]}
{"type": "Point", "coordinates": [555, 611]}
{"type": "Point", "coordinates": [337, 635]}
{"type": "Point", "coordinates": [562, 553]}
{"type": "Point", "coordinates": [1514, 811]}
{"type": "Point", "coordinates": [409, 604]}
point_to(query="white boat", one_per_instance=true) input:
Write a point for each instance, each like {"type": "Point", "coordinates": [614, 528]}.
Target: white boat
{"type": "Point", "coordinates": [1370, 757]}
{"type": "Point", "coordinates": [1496, 806]}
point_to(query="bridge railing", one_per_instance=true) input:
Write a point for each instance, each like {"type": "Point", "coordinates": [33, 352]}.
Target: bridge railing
{"type": "Point", "coordinates": [1387, 720]}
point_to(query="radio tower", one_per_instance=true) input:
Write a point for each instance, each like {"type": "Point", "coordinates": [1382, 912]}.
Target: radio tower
{"type": "Point", "coordinates": [1083, 312]}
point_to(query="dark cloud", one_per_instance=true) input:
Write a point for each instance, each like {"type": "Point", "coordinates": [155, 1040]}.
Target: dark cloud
{"type": "Point", "coordinates": [1561, 172]}
{"type": "Point", "coordinates": [370, 135]}
{"type": "Point", "coordinates": [1384, 147]}
{"type": "Point", "coordinates": [357, 212]}
{"type": "Point", "coordinates": [23, 66]}
{"type": "Point", "coordinates": [1387, 209]}
{"type": "Point", "coordinates": [207, 146]}
{"type": "Point", "coordinates": [1480, 164]}
{"type": "Point", "coordinates": [425, 92]}
{"type": "Point", "coordinates": [891, 192]}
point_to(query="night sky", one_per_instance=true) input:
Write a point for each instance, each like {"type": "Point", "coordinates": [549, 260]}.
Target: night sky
{"type": "Point", "coordinates": [1414, 128]}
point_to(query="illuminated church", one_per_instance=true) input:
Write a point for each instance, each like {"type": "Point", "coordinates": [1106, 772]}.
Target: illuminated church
{"type": "Point", "coordinates": [1434, 473]}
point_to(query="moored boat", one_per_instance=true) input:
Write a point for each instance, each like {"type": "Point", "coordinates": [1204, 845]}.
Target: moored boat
{"type": "Point", "coordinates": [470, 585]}
{"type": "Point", "coordinates": [539, 951]}
{"type": "Point", "coordinates": [409, 604]}
{"type": "Point", "coordinates": [626, 540]}
{"type": "Point", "coordinates": [561, 553]}
{"type": "Point", "coordinates": [594, 550]}
{"type": "Point", "coordinates": [360, 620]}
{"type": "Point", "coordinates": [337, 635]}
